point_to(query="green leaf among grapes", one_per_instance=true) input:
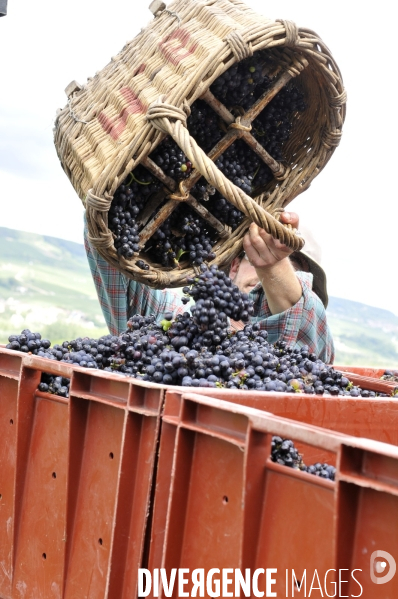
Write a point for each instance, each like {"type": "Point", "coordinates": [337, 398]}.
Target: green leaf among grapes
{"type": "Point", "coordinates": [166, 324]}
{"type": "Point", "coordinates": [180, 253]}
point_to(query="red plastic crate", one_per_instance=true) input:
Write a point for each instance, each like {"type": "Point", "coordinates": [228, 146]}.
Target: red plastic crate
{"type": "Point", "coordinates": [376, 373]}
{"type": "Point", "coordinates": [221, 503]}
{"type": "Point", "coordinates": [77, 490]}
{"type": "Point", "coordinates": [75, 481]}
{"type": "Point", "coordinates": [375, 418]}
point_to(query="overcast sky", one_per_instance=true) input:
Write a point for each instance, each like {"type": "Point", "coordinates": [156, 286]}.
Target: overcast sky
{"type": "Point", "coordinates": [351, 206]}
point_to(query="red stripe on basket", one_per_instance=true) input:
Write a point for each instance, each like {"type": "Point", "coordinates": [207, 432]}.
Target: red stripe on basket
{"type": "Point", "coordinates": [173, 52]}
{"type": "Point", "coordinates": [134, 104]}
{"type": "Point", "coordinates": [106, 123]}
{"type": "Point", "coordinates": [115, 127]}
{"type": "Point", "coordinates": [140, 70]}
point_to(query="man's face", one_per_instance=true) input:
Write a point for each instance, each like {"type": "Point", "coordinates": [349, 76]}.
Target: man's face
{"type": "Point", "coordinates": [243, 274]}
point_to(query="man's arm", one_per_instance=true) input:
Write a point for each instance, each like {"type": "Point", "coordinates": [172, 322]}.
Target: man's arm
{"type": "Point", "coordinates": [288, 309]}
{"type": "Point", "coordinates": [270, 258]}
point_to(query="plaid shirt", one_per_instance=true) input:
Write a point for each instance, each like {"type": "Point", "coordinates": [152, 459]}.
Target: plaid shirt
{"type": "Point", "coordinates": [303, 324]}
{"type": "Point", "coordinates": [121, 297]}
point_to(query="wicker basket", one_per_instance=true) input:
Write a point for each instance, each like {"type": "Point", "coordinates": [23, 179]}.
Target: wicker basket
{"type": "Point", "coordinates": [114, 122]}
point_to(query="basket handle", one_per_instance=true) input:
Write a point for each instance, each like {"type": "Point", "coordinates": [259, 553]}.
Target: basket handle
{"type": "Point", "coordinates": [172, 121]}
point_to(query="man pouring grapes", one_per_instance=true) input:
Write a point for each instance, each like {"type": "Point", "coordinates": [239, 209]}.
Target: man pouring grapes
{"type": "Point", "coordinates": [288, 292]}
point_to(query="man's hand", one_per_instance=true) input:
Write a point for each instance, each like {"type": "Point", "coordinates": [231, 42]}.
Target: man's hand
{"type": "Point", "coordinates": [262, 249]}
{"type": "Point", "coordinates": [270, 258]}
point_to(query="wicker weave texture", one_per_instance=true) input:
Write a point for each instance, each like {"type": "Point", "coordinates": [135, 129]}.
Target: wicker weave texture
{"type": "Point", "coordinates": [115, 121]}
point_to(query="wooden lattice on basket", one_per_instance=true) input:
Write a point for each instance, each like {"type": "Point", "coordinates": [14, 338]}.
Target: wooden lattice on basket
{"type": "Point", "coordinates": [117, 119]}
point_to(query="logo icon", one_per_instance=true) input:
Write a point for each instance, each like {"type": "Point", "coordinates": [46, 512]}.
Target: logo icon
{"type": "Point", "coordinates": [378, 565]}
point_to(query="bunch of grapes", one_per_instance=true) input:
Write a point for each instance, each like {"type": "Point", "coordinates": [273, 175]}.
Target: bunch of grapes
{"type": "Point", "coordinates": [203, 191]}
{"type": "Point", "coordinates": [273, 126]}
{"type": "Point", "coordinates": [390, 375]}
{"type": "Point", "coordinates": [214, 290]}
{"type": "Point", "coordinates": [225, 211]}
{"type": "Point", "coordinates": [239, 164]}
{"type": "Point", "coordinates": [204, 125]}
{"type": "Point", "coordinates": [127, 203]}
{"type": "Point", "coordinates": [33, 343]}
{"type": "Point", "coordinates": [283, 452]}
{"type": "Point", "coordinates": [56, 385]}
{"type": "Point", "coordinates": [172, 160]}
{"type": "Point", "coordinates": [197, 237]}
{"type": "Point", "coordinates": [90, 353]}
{"type": "Point", "coordinates": [323, 470]}
{"type": "Point", "coordinates": [242, 83]}
{"type": "Point", "coordinates": [184, 235]}
{"type": "Point", "coordinates": [159, 247]}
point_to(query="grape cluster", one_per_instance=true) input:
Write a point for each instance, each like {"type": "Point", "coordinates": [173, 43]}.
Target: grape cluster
{"type": "Point", "coordinates": [390, 375]}
{"type": "Point", "coordinates": [214, 291]}
{"type": "Point", "coordinates": [56, 385]}
{"type": "Point", "coordinates": [33, 343]}
{"type": "Point", "coordinates": [197, 239]}
{"type": "Point", "coordinates": [184, 235]}
{"type": "Point", "coordinates": [323, 470]}
{"type": "Point", "coordinates": [90, 353]}
{"type": "Point", "coordinates": [239, 164]}
{"type": "Point", "coordinates": [225, 211]}
{"type": "Point", "coordinates": [127, 203]}
{"type": "Point", "coordinates": [285, 453]}
{"type": "Point", "coordinates": [204, 125]}
{"type": "Point", "coordinates": [127, 240]}
{"type": "Point", "coordinates": [273, 126]}
{"type": "Point", "coordinates": [242, 83]}
{"type": "Point", "coordinates": [172, 160]}
{"type": "Point", "coordinates": [80, 358]}
{"type": "Point", "coordinates": [203, 191]}
{"type": "Point", "coordinates": [143, 265]}
{"type": "Point", "coordinates": [160, 248]}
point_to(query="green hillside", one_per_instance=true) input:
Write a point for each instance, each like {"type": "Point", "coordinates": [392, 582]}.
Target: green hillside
{"type": "Point", "coordinates": [46, 285]}
{"type": "Point", "coordinates": [363, 335]}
